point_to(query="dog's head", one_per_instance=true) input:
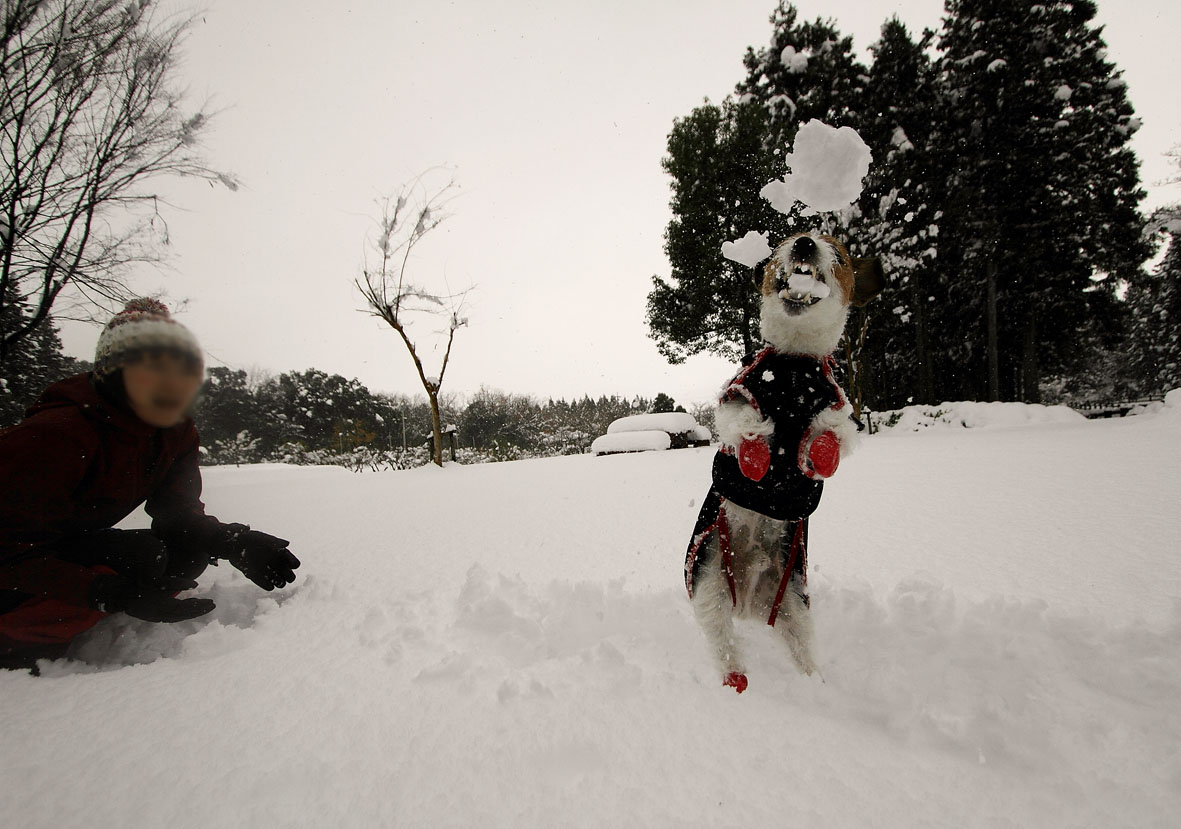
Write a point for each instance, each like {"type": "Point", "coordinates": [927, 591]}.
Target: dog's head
{"type": "Point", "coordinates": [808, 285]}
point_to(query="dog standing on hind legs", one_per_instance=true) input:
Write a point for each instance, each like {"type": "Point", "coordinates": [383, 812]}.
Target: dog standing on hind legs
{"type": "Point", "coordinates": [784, 424]}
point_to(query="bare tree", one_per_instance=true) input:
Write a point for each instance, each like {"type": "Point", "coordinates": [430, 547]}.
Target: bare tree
{"type": "Point", "coordinates": [403, 303]}
{"type": "Point", "coordinates": [89, 115]}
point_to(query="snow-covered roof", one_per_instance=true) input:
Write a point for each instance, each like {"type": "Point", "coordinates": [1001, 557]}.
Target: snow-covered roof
{"type": "Point", "coordinates": [650, 441]}
{"type": "Point", "coordinates": [671, 422]}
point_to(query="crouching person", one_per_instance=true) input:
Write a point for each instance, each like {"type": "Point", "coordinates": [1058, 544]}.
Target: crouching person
{"type": "Point", "coordinates": [89, 452]}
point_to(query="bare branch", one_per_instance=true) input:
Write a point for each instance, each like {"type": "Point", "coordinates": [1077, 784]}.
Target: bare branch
{"type": "Point", "coordinates": [405, 220]}
{"type": "Point", "coordinates": [88, 120]}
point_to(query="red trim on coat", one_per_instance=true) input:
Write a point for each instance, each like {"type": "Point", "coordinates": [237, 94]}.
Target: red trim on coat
{"type": "Point", "coordinates": [797, 550]}
{"type": "Point", "coordinates": [735, 385]}
{"type": "Point", "coordinates": [722, 526]}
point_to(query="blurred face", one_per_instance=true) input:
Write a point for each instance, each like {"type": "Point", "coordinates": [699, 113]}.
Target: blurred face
{"type": "Point", "coordinates": [160, 388]}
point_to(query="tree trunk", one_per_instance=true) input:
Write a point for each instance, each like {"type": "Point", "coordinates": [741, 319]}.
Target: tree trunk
{"type": "Point", "coordinates": [436, 428]}
{"type": "Point", "coordinates": [994, 370]}
{"type": "Point", "coordinates": [922, 353]}
{"type": "Point", "coordinates": [1030, 366]}
{"type": "Point", "coordinates": [747, 341]}
{"type": "Point", "coordinates": [855, 362]}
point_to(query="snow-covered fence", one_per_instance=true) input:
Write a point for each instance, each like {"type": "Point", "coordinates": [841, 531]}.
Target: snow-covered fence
{"type": "Point", "coordinates": [1113, 408]}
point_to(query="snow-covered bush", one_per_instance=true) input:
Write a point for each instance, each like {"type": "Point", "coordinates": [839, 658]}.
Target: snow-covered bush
{"type": "Point", "coordinates": [969, 415]}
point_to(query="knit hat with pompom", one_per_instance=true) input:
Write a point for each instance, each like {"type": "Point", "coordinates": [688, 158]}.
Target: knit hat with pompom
{"type": "Point", "coordinates": [143, 327]}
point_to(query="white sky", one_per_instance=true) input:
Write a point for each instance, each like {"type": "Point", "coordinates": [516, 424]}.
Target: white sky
{"type": "Point", "coordinates": [555, 116]}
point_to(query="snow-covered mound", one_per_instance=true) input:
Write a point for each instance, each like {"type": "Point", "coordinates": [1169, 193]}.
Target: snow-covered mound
{"type": "Point", "coordinates": [511, 645]}
{"type": "Point", "coordinates": [641, 441]}
{"type": "Point", "coordinates": [1173, 403]}
{"type": "Point", "coordinates": [971, 415]}
{"type": "Point", "coordinates": [671, 422]}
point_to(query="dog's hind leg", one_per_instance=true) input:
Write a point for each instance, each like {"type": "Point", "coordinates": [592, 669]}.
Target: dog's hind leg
{"type": "Point", "coordinates": [795, 626]}
{"type": "Point", "coordinates": [714, 610]}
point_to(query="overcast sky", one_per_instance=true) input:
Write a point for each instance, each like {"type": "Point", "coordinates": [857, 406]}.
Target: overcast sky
{"type": "Point", "coordinates": [554, 115]}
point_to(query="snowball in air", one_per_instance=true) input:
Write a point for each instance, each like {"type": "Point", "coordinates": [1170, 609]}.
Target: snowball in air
{"type": "Point", "coordinates": [750, 250]}
{"type": "Point", "coordinates": [826, 166]}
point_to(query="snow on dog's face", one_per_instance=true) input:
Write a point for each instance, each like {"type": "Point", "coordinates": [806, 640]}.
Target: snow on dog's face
{"type": "Point", "coordinates": [808, 285]}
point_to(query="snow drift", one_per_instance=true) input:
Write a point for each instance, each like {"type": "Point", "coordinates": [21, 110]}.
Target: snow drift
{"type": "Point", "coordinates": [511, 645]}
{"type": "Point", "coordinates": [972, 415]}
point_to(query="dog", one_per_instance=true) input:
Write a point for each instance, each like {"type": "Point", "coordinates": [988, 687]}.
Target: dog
{"type": "Point", "coordinates": [784, 424]}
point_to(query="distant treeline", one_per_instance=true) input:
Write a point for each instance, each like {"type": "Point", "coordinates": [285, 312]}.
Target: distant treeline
{"type": "Point", "coordinates": [315, 417]}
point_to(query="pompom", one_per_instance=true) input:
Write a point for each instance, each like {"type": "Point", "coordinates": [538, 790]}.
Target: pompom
{"type": "Point", "coordinates": [146, 305]}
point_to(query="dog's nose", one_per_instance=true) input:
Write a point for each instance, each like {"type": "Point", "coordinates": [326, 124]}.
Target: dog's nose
{"type": "Point", "coordinates": [803, 248]}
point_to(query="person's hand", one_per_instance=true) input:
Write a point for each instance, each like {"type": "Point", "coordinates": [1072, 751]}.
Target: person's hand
{"type": "Point", "coordinates": [114, 594]}
{"type": "Point", "coordinates": [262, 558]}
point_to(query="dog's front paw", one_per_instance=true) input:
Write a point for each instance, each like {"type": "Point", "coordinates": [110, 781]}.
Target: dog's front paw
{"type": "Point", "coordinates": [754, 458]}
{"type": "Point", "coordinates": [736, 681]}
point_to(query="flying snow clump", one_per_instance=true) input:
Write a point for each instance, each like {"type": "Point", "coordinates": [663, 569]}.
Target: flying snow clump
{"type": "Point", "coordinates": [750, 250]}
{"type": "Point", "coordinates": [827, 165]}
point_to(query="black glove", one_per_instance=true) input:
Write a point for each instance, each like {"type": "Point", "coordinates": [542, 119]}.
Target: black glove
{"type": "Point", "coordinates": [115, 593]}
{"type": "Point", "coordinates": [262, 558]}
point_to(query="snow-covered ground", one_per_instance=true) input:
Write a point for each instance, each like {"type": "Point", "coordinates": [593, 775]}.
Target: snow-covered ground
{"type": "Point", "coordinates": [510, 645]}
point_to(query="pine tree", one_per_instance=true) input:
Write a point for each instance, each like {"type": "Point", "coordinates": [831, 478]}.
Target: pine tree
{"type": "Point", "coordinates": [808, 71]}
{"type": "Point", "coordinates": [1155, 301]}
{"type": "Point", "coordinates": [719, 158]}
{"type": "Point", "coordinates": [225, 407]}
{"type": "Point", "coordinates": [1041, 214]}
{"type": "Point", "coordinates": [897, 219]}
{"type": "Point", "coordinates": [718, 163]}
{"type": "Point", "coordinates": [662, 403]}
{"type": "Point", "coordinates": [33, 364]}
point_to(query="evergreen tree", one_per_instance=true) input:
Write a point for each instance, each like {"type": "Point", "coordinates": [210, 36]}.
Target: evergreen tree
{"type": "Point", "coordinates": [719, 158]}
{"type": "Point", "coordinates": [808, 71]}
{"type": "Point", "coordinates": [225, 408]}
{"type": "Point", "coordinates": [328, 411]}
{"type": "Point", "coordinates": [1155, 331]}
{"type": "Point", "coordinates": [897, 219]}
{"type": "Point", "coordinates": [1040, 216]}
{"type": "Point", "coordinates": [34, 362]}
{"type": "Point", "coordinates": [662, 403]}
{"type": "Point", "coordinates": [718, 163]}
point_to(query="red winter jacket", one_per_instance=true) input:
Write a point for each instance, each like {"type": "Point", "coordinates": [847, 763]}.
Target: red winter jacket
{"type": "Point", "coordinates": [77, 463]}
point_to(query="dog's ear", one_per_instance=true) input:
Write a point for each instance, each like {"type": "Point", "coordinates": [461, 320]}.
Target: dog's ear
{"type": "Point", "coordinates": [868, 279]}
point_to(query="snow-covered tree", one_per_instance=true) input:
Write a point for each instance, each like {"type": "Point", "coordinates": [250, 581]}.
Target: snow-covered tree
{"type": "Point", "coordinates": [719, 157]}
{"type": "Point", "coordinates": [807, 71]}
{"type": "Point", "coordinates": [1155, 335]}
{"type": "Point", "coordinates": [1041, 208]}
{"type": "Point", "coordinates": [242, 448]}
{"type": "Point", "coordinates": [897, 219]}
